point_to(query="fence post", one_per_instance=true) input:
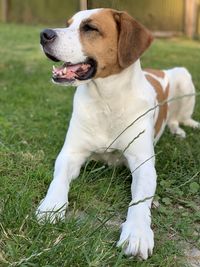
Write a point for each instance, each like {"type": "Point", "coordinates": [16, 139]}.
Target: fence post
{"type": "Point", "coordinates": [4, 10]}
{"type": "Point", "coordinates": [83, 4]}
{"type": "Point", "coordinates": [190, 17]}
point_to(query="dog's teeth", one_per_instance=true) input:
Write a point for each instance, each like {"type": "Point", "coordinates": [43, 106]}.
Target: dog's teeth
{"type": "Point", "coordinates": [65, 70]}
{"type": "Point", "coordinates": [54, 68]}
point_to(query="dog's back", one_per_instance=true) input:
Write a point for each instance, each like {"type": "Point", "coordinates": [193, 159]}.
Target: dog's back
{"type": "Point", "coordinates": [176, 96]}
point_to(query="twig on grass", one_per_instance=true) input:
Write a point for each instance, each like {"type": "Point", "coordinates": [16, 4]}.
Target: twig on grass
{"type": "Point", "coordinates": [188, 181]}
{"type": "Point", "coordinates": [130, 143]}
{"type": "Point", "coordinates": [140, 201]}
{"type": "Point", "coordinates": [4, 231]}
{"type": "Point", "coordinates": [35, 255]}
{"type": "Point", "coordinates": [2, 259]}
{"type": "Point", "coordinates": [153, 156]}
{"type": "Point", "coordinates": [115, 213]}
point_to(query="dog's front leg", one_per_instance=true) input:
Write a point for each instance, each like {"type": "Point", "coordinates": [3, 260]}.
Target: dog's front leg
{"type": "Point", "coordinates": [67, 167]}
{"type": "Point", "coordinates": [137, 237]}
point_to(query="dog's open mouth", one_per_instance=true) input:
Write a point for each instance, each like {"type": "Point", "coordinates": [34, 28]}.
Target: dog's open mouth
{"type": "Point", "coordinates": [68, 72]}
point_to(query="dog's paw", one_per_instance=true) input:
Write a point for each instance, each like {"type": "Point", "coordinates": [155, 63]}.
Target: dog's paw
{"type": "Point", "coordinates": [136, 240]}
{"type": "Point", "coordinates": [179, 132]}
{"type": "Point", "coordinates": [192, 123]}
{"type": "Point", "coordinates": [51, 209]}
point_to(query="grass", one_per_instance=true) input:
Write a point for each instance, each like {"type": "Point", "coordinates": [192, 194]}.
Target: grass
{"type": "Point", "coordinates": [34, 115]}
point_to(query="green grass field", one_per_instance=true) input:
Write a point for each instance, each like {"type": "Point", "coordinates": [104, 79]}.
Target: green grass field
{"type": "Point", "coordinates": [34, 115]}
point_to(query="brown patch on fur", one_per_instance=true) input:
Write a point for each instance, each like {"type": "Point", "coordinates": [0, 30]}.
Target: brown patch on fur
{"type": "Point", "coordinates": [69, 22]}
{"type": "Point", "coordinates": [102, 45]}
{"type": "Point", "coordinates": [162, 96]}
{"type": "Point", "coordinates": [118, 42]}
{"type": "Point", "coordinates": [158, 73]}
{"type": "Point", "coordinates": [134, 39]}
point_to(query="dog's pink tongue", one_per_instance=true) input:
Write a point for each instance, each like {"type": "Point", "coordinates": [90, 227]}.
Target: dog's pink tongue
{"type": "Point", "coordinates": [69, 72]}
{"type": "Point", "coordinates": [74, 68]}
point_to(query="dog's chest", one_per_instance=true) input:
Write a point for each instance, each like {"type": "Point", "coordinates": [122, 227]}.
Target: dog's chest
{"type": "Point", "coordinates": [104, 119]}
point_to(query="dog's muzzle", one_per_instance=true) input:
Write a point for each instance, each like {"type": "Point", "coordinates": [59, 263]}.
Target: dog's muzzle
{"type": "Point", "coordinates": [68, 72]}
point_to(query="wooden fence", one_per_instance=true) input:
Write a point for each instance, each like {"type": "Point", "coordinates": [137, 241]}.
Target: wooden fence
{"type": "Point", "coordinates": [175, 16]}
{"type": "Point", "coordinates": [39, 11]}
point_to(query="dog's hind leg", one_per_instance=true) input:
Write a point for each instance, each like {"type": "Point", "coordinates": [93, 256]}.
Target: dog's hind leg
{"type": "Point", "coordinates": [175, 129]}
{"type": "Point", "coordinates": [191, 123]}
{"type": "Point", "coordinates": [183, 101]}
{"type": "Point", "coordinates": [187, 107]}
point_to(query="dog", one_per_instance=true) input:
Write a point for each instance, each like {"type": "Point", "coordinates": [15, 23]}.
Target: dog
{"type": "Point", "coordinates": [117, 107]}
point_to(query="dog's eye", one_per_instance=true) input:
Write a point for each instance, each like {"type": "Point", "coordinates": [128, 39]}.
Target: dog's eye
{"type": "Point", "coordinates": [89, 28]}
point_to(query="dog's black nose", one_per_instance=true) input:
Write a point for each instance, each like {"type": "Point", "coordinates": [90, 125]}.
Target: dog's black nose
{"type": "Point", "coordinates": [47, 36]}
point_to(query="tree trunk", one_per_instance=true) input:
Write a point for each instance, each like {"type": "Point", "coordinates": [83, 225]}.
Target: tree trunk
{"type": "Point", "coordinates": [5, 10]}
{"type": "Point", "coordinates": [190, 17]}
{"type": "Point", "coordinates": [83, 4]}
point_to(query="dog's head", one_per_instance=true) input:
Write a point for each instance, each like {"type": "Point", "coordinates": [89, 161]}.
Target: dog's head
{"type": "Point", "coordinates": [96, 43]}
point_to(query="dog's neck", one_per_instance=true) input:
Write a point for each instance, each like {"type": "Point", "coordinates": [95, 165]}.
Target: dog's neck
{"type": "Point", "coordinates": [117, 84]}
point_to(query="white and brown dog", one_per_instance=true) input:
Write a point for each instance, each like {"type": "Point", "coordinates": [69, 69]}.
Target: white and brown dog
{"type": "Point", "coordinates": [116, 108]}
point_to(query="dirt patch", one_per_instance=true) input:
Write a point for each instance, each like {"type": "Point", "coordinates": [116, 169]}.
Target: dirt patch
{"type": "Point", "coordinates": [192, 255]}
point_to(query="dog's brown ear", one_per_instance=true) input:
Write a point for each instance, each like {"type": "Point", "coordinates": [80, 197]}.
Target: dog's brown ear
{"type": "Point", "coordinates": [134, 39]}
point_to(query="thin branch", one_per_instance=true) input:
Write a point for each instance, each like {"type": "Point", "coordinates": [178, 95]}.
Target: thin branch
{"type": "Point", "coordinates": [140, 201]}
{"type": "Point", "coordinates": [153, 156]}
{"type": "Point", "coordinates": [133, 141]}
{"type": "Point", "coordinates": [188, 181]}
{"type": "Point", "coordinates": [35, 255]}
{"type": "Point", "coordinates": [129, 144]}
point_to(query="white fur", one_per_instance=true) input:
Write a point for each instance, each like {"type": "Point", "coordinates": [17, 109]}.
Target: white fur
{"type": "Point", "coordinates": [102, 109]}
